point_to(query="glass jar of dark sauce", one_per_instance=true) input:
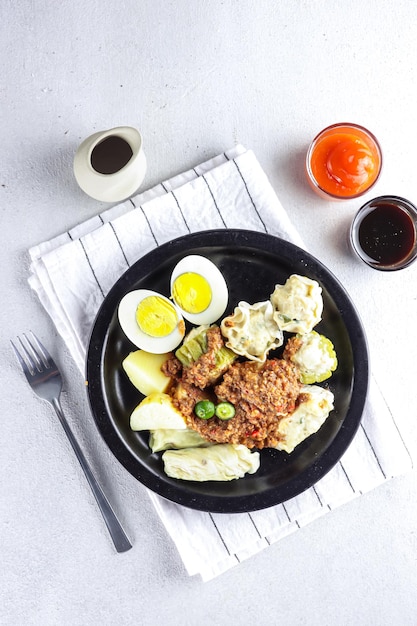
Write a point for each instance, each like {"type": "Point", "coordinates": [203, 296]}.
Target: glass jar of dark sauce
{"type": "Point", "coordinates": [384, 233]}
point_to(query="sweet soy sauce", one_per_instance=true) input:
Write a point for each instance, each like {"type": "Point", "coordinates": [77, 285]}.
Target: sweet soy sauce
{"type": "Point", "coordinates": [111, 154]}
{"type": "Point", "coordinates": [387, 234]}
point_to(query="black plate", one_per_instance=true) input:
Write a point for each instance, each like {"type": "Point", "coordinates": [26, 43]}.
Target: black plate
{"type": "Point", "coordinates": [252, 263]}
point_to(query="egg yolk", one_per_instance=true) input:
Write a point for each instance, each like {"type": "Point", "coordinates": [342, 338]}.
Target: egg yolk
{"type": "Point", "coordinates": [156, 317]}
{"type": "Point", "coordinates": [191, 292]}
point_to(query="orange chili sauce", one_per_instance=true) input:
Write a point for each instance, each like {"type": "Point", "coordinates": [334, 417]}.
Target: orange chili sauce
{"type": "Point", "coordinates": [344, 161]}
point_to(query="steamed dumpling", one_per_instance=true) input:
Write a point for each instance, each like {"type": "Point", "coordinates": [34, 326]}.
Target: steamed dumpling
{"type": "Point", "coordinates": [298, 304]}
{"type": "Point", "coordinates": [313, 354]}
{"type": "Point", "coordinates": [308, 417]}
{"type": "Point", "coordinates": [252, 331]}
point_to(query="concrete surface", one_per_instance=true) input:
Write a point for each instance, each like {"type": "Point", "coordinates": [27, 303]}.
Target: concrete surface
{"type": "Point", "coordinates": [196, 78]}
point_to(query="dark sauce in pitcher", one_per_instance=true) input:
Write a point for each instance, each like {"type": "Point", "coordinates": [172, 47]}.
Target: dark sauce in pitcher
{"type": "Point", "coordinates": [111, 155]}
{"type": "Point", "coordinates": [387, 234]}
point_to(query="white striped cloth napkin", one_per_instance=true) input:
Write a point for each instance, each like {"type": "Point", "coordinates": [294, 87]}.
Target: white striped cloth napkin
{"type": "Point", "coordinates": [72, 274]}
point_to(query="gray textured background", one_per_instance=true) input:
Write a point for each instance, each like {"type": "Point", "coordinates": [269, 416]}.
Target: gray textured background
{"type": "Point", "coordinates": [196, 78]}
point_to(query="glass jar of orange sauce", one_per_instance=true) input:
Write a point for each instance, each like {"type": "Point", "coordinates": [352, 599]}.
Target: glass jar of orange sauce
{"type": "Point", "coordinates": [343, 161]}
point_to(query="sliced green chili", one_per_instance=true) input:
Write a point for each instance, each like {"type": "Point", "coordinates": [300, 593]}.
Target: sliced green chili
{"type": "Point", "coordinates": [225, 411]}
{"type": "Point", "coordinates": [204, 409]}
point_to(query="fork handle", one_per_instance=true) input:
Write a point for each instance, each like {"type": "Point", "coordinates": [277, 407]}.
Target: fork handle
{"type": "Point", "coordinates": [120, 539]}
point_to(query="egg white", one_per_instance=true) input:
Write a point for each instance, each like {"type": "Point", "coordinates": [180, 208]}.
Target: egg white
{"type": "Point", "coordinates": [219, 292]}
{"type": "Point", "coordinates": [127, 319]}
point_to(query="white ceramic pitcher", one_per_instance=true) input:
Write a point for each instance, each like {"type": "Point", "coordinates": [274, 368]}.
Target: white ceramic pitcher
{"type": "Point", "coordinates": [111, 165]}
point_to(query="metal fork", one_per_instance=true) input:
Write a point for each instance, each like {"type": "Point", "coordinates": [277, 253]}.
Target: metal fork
{"type": "Point", "coordinates": [46, 381]}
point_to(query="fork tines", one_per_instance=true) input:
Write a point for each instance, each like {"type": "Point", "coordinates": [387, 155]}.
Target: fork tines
{"type": "Point", "coordinates": [35, 358]}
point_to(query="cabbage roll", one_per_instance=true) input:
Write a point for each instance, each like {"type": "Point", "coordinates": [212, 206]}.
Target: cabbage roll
{"type": "Point", "coordinates": [196, 344]}
{"type": "Point", "coordinates": [220, 462]}
{"type": "Point", "coordinates": [170, 439]}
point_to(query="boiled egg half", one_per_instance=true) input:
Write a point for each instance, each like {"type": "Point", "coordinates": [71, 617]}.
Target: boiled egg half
{"type": "Point", "coordinates": [151, 321]}
{"type": "Point", "coordinates": [199, 289]}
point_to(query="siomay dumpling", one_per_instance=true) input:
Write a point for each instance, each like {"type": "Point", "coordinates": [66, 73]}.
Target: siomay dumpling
{"type": "Point", "coordinates": [220, 462]}
{"type": "Point", "coordinates": [252, 330]}
{"type": "Point", "coordinates": [308, 417]}
{"type": "Point", "coordinates": [313, 354]}
{"type": "Point", "coordinates": [298, 304]}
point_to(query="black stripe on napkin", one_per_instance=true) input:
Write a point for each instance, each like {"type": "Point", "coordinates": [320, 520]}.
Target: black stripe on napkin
{"type": "Point", "coordinates": [257, 530]}
{"type": "Point", "coordinates": [250, 197]}
{"type": "Point", "coordinates": [373, 450]}
{"type": "Point", "coordinates": [222, 538]}
{"type": "Point", "coordinates": [119, 242]}
{"type": "Point", "coordinates": [347, 477]}
{"type": "Point", "coordinates": [319, 499]}
{"type": "Point", "coordinates": [91, 267]}
{"type": "Point", "coordinates": [396, 425]}
{"type": "Point", "coordinates": [288, 515]}
{"type": "Point", "coordinates": [255, 526]}
{"type": "Point", "coordinates": [180, 210]}
{"type": "Point", "coordinates": [214, 200]}
{"type": "Point", "coordinates": [149, 224]}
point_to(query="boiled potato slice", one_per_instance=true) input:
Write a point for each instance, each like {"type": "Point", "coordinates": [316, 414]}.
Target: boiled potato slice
{"type": "Point", "coordinates": [144, 371]}
{"type": "Point", "coordinates": [156, 411]}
